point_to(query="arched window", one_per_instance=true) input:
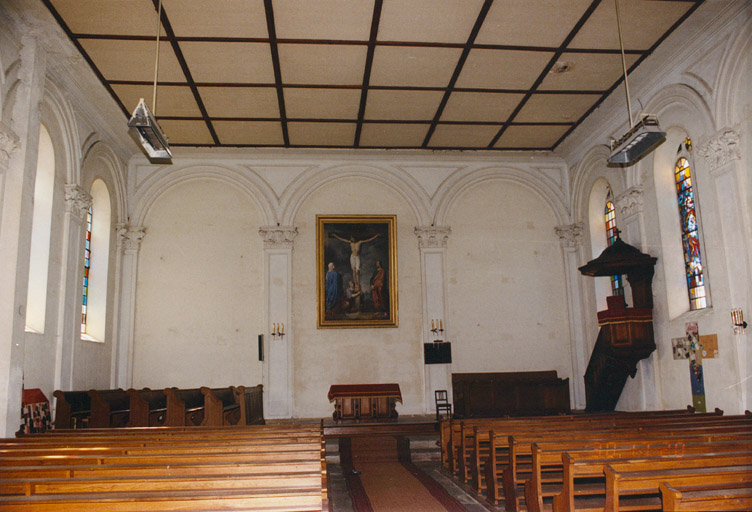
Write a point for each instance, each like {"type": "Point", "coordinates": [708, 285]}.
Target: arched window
{"type": "Point", "coordinates": [41, 229]}
{"type": "Point", "coordinates": [690, 230]}
{"type": "Point", "coordinates": [611, 235]}
{"type": "Point", "coordinates": [96, 262]}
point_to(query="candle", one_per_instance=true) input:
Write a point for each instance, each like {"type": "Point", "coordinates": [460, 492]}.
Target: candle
{"type": "Point", "coordinates": [433, 325]}
{"type": "Point", "coordinates": [281, 328]}
{"type": "Point", "coordinates": [441, 325]}
{"type": "Point", "coordinates": [274, 329]}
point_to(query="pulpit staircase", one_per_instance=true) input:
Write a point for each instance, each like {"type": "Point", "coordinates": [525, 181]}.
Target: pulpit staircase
{"type": "Point", "coordinates": [626, 334]}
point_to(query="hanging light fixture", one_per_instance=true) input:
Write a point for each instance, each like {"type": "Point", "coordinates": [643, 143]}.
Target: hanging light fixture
{"type": "Point", "coordinates": [642, 137]}
{"type": "Point", "coordinates": [143, 125]}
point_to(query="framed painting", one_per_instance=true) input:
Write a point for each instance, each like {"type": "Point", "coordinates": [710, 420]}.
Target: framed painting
{"type": "Point", "coordinates": [356, 256]}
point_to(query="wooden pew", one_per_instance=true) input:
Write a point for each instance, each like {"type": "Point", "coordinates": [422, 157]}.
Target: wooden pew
{"type": "Point", "coordinates": [253, 397]}
{"type": "Point", "coordinates": [520, 467]}
{"type": "Point", "coordinates": [72, 409]}
{"type": "Point", "coordinates": [582, 467]}
{"type": "Point", "coordinates": [550, 478]}
{"type": "Point", "coordinates": [185, 407]}
{"type": "Point", "coordinates": [516, 454]}
{"type": "Point", "coordinates": [148, 408]}
{"type": "Point", "coordinates": [636, 489]}
{"type": "Point", "coordinates": [109, 408]}
{"type": "Point", "coordinates": [224, 406]}
{"type": "Point", "coordinates": [702, 498]}
{"type": "Point", "coordinates": [196, 468]}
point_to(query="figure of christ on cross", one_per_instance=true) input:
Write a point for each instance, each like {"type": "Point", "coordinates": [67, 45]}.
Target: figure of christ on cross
{"type": "Point", "coordinates": [355, 253]}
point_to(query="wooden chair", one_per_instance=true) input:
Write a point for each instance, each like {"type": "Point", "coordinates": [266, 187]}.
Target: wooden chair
{"type": "Point", "coordinates": [442, 403]}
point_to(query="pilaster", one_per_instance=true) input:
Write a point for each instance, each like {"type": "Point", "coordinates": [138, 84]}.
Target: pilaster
{"type": "Point", "coordinates": [68, 333]}
{"type": "Point", "coordinates": [19, 143]}
{"type": "Point", "coordinates": [278, 350]}
{"type": "Point", "coordinates": [722, 155]}
{"type": "Point", "coordinates": [129, 240]}
{"type": "Point", "coordinates": [570, 238]}
{"type": "Point", "coordinates": [432, 242]}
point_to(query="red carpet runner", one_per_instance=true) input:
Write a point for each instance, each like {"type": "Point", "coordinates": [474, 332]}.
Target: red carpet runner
{"type": "Point", "coordinates": [381, 477]}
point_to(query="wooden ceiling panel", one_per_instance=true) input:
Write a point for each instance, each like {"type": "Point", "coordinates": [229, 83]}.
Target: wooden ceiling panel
{"type": "Point", "coordinates": [480, 106]}
{"type": "Point", "coordinates": [530, 137]}
{"type": "Point", "coordinates": [463, 136]}
{"type": "Point", "coordinates": [186, 132]}
{"type": "Point", "coordinates": [241, 133]}
{"type": "Point", "coordinates": [413, 66]}
{"type": "Point", "coordinates": [321, 134]}
{"type": "Point", "coordinates": [347, 20]}
{"type": "Point", "coordinates": [555, 108]}
{"type": "Point", "coordinates": [322, 64]}
{"type": "Point", "coordinates": [643, 23]}
{"type": "Point", "coordinates": [199, 18]}
{"type": "Point", "coordinates": [238, 102]}
{"type": "Point", "coordinates": [172, 100]}
{"type": "Point", "coordinates": [133, 60]}
{"type": "Point", "coordinates": [244, 63]}
{"type": "Point", "coordinates": [125, 17]}
{"type": "Point", "coordinates": [586, 71]}
{"type": "Point", "coordinates": [502, 69]}
{"type": "Point", "coordinates": [386, 135]}
{"type": "Point", "coordinates": [402, 105]}
{"type": "Point", "coordinates": [543, 23]}
{"type": "Point", "coordinates": [316, 73]}
{"type": "Point", "coordinates": [426, 20]}
{"type": "Point", "coordinates": [310, 103]}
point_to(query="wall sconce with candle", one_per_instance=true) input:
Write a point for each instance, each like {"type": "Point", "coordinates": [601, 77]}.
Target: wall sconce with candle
{"type": "Point", "coordinates": [437, 328]}
{"type": "Point", "coordinates": [737, 320]}
{"type": "Point", "coordinates": [278, 330]}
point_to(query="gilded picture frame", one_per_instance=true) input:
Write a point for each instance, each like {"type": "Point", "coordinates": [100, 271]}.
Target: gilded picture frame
{"type": "Point", "coordinates": [356, 258]}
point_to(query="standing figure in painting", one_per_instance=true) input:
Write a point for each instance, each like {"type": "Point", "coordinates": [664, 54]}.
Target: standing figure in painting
{"type": "Point", "coordinates": [355, 253]}
{"type": "Point", "coordinates": [332, 290]}
{"type": "Point", "coordinates": [378, 283]}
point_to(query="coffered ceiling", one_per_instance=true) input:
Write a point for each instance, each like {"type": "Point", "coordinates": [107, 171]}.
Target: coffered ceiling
{"type": "Point", "coordinates": [432, 74]}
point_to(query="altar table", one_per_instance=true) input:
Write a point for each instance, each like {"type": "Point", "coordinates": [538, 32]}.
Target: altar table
{"type": "Point", "coordinates": [365, 401]}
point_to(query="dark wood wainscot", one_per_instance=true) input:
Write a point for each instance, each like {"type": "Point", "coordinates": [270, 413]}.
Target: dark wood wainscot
{"type": "Point", "coordinates": [365, 401]}
{"type": "Point", "coordinates": [509, 394]}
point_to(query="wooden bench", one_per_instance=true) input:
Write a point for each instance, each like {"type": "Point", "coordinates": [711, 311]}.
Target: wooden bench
{"type": "Point", "coordinates": [72, 409]}
{"type": "Point", "coordinates": [148, 408]}
{"type": "Point", "coordinates": [520, 467]}
{"type": "Point", "coordinates": [185, 407]}
{"type": "Point", "coordinates": [109, 408]}
{"type": "Point", "coordinates": [549, 478]}
{"type": "Point", "coordinates": [196, 468]}
{"type": "Point", "coordinates": [702, 498]}
{"type": "Point", "coordinates": [579, 468]}
{"type": "Point", "coordinates": [224, 406]}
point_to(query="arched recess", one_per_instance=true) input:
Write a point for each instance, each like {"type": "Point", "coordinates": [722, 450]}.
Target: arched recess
{"type": "Point", "coordinates": [311, 181]}
{"type": "Point", "coordinates": [199, 286]}
{"type": "Point", "coordinates": [507, 290]}
{"type": "Point", "coordinates": [162, 179]}
{"type": "Point", "coordinates": [348, 354]}
{"type": "Point", "coordinates": [458, 183]}
{"type": "Point", "coordinates": [733, 89]}
{"type": "Point", "coordinates": [59, 117]}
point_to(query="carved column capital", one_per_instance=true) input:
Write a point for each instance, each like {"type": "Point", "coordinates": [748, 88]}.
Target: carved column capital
{"type": "Point", "coordinates": [77, 201]}
{"type": "Point", "coordinates": [630, 202]}
{"type": "Point", "coordinates": [278, 237]}
{"type": "Point", "coordinates": [8, 144]}
{"type": "Point", "coordinates": [130, 237]}
{"type": "Point", "coordinates": [570, 235]}
{"type": "Point", "coordinates": [432, 237]}
{"type": "Point", "coordinates": [721, 149]}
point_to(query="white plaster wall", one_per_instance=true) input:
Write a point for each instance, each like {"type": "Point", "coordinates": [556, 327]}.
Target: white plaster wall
{"type": "Point", "coordinates": [200, 289]}
{"type": "Point", "coordinates": [323, 357]}
{"type": "Point", "coordinates": [507, 297]}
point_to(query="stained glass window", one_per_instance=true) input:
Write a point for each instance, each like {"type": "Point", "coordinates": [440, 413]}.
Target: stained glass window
{"type": "Point", "coordinates": [611, 234]}
{"type": "Point", "coordinates": [87, 265]}
{"type": "Point", "coordinates": [690, 235]}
